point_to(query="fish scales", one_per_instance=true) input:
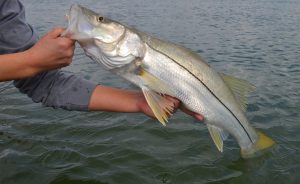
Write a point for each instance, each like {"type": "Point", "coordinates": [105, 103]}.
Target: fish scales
{"type": "Point", "coordinates": [161, 67]}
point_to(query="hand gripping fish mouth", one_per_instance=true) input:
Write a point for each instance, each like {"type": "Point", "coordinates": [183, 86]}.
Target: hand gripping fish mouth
{"type": "Point", "coordinates": [161, 67]}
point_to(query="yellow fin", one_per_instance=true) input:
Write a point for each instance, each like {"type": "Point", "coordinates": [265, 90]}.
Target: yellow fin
{"type": "Point", "coordinates": [218, 135]}
{"type": "Point", "coordinates": [161, 106]}
{"type": "Point", "coordinates": [240, 88]}
{"type": "Point", "coordinates": [263, 143]}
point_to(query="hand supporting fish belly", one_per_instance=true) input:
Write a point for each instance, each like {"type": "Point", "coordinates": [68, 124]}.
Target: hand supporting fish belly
{"type": "Point", "coordinates": [160, 67]}
{"type": "Point", "coordinates": [176, 105]}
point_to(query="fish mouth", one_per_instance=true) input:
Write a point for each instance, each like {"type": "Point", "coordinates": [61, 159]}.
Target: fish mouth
{"type": "Point", "coordinates": [73, 13]}
{"type": "Point", "coordinates": [78, 26]}
{"type": "Point", "coordinates": [71, 16]}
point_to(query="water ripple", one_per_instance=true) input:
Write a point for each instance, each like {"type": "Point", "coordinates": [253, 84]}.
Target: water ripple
{"type": "Point", "coordinates": [254, 40]}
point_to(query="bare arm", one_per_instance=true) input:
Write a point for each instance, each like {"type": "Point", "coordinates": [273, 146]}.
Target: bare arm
{"type": "Point", "coordinates": [106, 98]}
{"type": "Point", "coordinates": [15, 66]}
{"type": "Point", "coordinates": [118, 100]}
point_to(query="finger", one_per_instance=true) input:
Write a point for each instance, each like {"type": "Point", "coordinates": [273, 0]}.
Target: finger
{"type": "Point", "coordinates": [198, 117]}
{"type": "Point", "coordinates": [69, 42]}
{"type": "Point", "coordinates": [174, 100]}
{"type": "Point", "coordinates": [191, 113]}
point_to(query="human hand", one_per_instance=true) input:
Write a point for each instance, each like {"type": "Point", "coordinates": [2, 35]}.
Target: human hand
{"type": "Point", "coordinates": [106, 98]}
{"type": "Point", "coordinates": [144, 107]}
{"type": "Point", "coordinates": [51, 51]}
{"type": "Point", "coordinates": [191, 113]}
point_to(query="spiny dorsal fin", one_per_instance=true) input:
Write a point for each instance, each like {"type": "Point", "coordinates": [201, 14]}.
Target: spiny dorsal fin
{"type": "Point", "coordinates": [161, 106]}
{"type": "Point", "coordinates": [218, 135]}
{"type": "Point", "coordinates": [240, 88]}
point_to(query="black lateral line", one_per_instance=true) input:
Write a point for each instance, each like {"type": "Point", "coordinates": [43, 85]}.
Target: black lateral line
{"type": "Point", "coordinates": [210, 92]}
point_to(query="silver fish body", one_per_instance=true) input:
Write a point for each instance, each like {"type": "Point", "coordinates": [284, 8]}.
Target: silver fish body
{"type": "Point", "coordinates": [157, 66]}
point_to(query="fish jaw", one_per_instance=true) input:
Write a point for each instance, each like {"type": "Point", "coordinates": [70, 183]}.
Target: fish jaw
{"type": "Point", "coordinates": [75, 30]}
{"type": "Point", "coordinates": [85, 24]}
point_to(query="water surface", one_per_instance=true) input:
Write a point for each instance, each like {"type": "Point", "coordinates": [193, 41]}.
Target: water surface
{"type": "Point", "coordinates": [257, 40]}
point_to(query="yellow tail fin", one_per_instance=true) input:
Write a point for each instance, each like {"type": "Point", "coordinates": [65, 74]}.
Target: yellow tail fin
{"type": "Point", "coordinates": [263, 143]}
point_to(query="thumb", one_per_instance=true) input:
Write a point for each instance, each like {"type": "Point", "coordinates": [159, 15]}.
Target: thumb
{"type": "Point", "coordinates": [56, 32]}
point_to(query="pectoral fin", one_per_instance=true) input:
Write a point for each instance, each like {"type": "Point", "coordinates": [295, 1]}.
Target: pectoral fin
{"type": "Point", "coordinates": [218, 135]}
{"type": "Point", "coordinates": [153, 89]}
{"type": "Point", "coordinates": [161, 106]}
{"type": "Point", "coordinates": [155, 83]}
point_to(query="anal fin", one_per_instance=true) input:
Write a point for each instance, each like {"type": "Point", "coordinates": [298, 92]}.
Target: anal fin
{"type": "Point", "coordinates": [218, 135]}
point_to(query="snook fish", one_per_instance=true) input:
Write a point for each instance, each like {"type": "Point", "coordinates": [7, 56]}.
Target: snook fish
{"type": "Point", "coordinates": [160, 67]}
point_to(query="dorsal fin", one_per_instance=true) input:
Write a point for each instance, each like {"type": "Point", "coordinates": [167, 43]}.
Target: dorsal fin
{"type": "Point", "coordinates": [240, 88]}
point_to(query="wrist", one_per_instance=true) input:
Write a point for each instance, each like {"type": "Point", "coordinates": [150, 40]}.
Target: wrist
{"type": "Point", "coordinates": [141, 102]}
{"type": "Point", "coordinates": [31, 63]}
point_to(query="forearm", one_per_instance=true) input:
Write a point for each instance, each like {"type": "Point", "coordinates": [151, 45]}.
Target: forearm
{"type": "Point", "coordinates": [116, 100]}
{"type": "Point", "coordinates": [16, 66]}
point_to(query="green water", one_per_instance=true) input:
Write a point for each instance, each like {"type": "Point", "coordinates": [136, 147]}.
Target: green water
{"type": "Point", "coordinates": [257, 40]}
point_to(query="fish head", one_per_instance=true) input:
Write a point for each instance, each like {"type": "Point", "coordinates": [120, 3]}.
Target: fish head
{"type": "Point", "coordinates": [85, 24]}
{"type": "Point", "coordinates": [106, 41]}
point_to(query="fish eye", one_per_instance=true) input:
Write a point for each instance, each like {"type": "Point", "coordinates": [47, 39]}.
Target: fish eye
{"type": "Point", "coordinates": [100, 19]}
